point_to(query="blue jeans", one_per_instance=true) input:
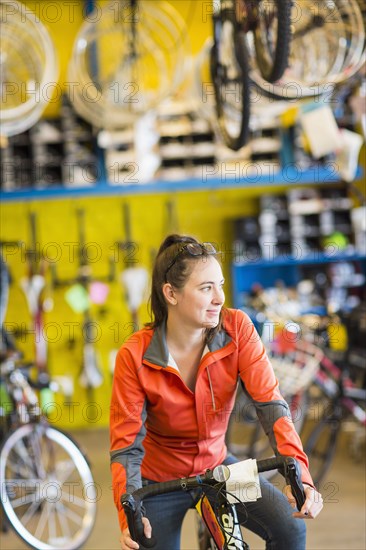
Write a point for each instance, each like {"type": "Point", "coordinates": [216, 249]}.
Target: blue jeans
{"type": "Point", "coordinates": [270, 517]}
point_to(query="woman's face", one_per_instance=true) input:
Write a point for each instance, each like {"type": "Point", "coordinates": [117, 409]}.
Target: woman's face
{"type": "Point", "coordinates": [200, 301]}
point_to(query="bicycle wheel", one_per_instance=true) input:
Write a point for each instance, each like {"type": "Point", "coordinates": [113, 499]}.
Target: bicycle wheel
{"type": "Point", "coordinates": [321, 446]}
{"type": "Point", "coordinates": [327, 48]}
{"type": "Point", "coordinates": [272, 38]}
{"type": "Point", "coordinates": [47, 489]}
{"type": "Point", "coordinates": [28, 64]}
{"type": "Point", "coordinates": [144, 47]}
{"type": "Point", "coordinates": [230, 77]}
{"type": "Point", "coordinates": [245, 435]}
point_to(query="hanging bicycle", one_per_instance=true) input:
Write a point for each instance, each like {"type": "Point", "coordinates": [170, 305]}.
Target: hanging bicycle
{"type": "Point", "coordinates": [269, 25]}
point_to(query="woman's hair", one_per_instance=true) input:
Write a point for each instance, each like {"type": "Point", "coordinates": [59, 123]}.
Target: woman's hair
{"type": "Point", "coordinates": [173, 264]}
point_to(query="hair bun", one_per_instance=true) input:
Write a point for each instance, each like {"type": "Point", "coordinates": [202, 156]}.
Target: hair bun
{"type": "Point", "coordinates": [174, 238]}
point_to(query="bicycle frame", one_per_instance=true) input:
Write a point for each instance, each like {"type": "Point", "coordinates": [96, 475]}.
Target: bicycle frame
{"type": "Point", "coordinates": [33, 286]}
{"type": "Point", "coordinates": [222, 525]}
{"type": "Point", "coordinates": [336, 385]}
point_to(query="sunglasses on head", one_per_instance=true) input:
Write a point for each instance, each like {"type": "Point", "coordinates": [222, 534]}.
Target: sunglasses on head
{"type": "Point", "coordinates": [193, 249]}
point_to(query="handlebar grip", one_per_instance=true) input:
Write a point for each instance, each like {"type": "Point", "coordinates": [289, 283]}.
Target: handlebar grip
{"type": "Point", "coordinates": [290, 468]}
{"type": "Point", "coordinates": [293, 477]}
{"type": "Point", "coordinates": [268, 464]}
{"type": "Point", "coordinates": [134, 516]}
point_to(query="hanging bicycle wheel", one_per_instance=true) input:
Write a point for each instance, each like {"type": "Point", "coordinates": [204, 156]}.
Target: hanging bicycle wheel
{"type": "Point", "coordinates": [143, 45]}
{"type": "Point", "coordinates": [327, 47]}
{"type": "Point", "coordinates": [230, 77]}
{"type": "Point", "coordinates": [28, 64]}
{"type": "Point", "coordinates": [47, 489]}
{"type": "Point", "coordinates": [272, 38]}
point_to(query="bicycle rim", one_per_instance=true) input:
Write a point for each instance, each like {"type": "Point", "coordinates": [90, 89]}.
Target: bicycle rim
{"type": "Point", "coordinates": [321, 446]}
{"type": "Point", "coordinates": [324, 55]}
{"type": "Point", "coordinates": [232, 94]}
{"type": "Point", "coordinates": [47, 489]}
{"type": "Point", "coordinates": [142, 65]}
{"type": "Point", "coordinates": [28, 63]}
{"type": "Point", "coordinates": [272, 38]}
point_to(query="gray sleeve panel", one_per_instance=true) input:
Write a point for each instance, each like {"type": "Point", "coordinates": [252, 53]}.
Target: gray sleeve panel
{"type": "Point", "coordinates": [268, 413]}
{"type": "Point", "coordinates": [131, 457]}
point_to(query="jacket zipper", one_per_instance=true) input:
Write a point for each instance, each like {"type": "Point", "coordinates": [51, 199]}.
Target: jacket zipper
{"type": "Point", "coordinates": [211, 388]}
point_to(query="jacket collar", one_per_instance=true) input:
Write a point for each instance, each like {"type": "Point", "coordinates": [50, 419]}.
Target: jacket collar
{"type": "Point", "coordinates": [157, 351]}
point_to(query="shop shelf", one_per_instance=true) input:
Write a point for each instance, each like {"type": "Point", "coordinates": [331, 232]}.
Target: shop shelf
{"type": "Point", "coordinates": [213, 180]}
{"type": "Point", "coordinates": [244, 274]}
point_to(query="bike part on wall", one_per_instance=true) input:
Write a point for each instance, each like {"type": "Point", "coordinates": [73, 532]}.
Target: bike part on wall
{"type": "Point", "coordinates": [28, 63]}
{"type": "Point", "coordinates": [143, 45]}
{"type": "Point", "coordinates": [327, 48]}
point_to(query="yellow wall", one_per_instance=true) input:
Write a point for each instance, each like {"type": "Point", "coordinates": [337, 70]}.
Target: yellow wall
{"type": "Point", "coordinates": [205, 214]}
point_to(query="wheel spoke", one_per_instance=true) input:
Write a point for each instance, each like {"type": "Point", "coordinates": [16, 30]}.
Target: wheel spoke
{"type": "Point", "coordinates": [73, 499]}
{"type": "Point", "coordinates": [69, 513]}
{"type": "Point", "coordinates": [21, 450]}
{"type": "Point", "coordinates": [30, 512]}
{"type": "Point", "coordinates": [42, 521]}
{"type": "Point", "coordinates": [65, 528]}
{"type": "Point", "coordinates": [64, 469]}
{"type": "Point", "coordinates": [37, 450]}
{"type": "Point", "coordinates": [52, 531]}
{"type": "Point", "coordinates": [23, 500]}
{"type": "Point", "coordinates": [20, 469]}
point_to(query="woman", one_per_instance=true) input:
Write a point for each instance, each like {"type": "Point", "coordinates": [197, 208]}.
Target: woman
{"type": "Point", "coordinates": [174, 387]}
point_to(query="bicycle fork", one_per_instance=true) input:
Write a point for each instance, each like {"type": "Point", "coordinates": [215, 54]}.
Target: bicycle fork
{"type": "Point", "coordinates": [222, 523]}
{"type": "Point", "coordinates": [229, 520]}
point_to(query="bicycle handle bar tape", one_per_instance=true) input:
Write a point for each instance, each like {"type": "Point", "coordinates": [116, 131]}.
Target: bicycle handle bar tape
{"type": "Point", "coordinates": [134, 516]}
{"type": "Point", "coordinates": [132, 505]}
{"type": "Point", "coordinates": [291, 470]}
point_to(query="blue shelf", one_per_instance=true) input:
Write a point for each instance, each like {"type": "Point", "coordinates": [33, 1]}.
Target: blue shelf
{"type": "Point", "coordinates": [288, 176]}
{"type": "Point", "coordinates": [265, 272]}
{"type": "Point", "coordinates": [315, 258]}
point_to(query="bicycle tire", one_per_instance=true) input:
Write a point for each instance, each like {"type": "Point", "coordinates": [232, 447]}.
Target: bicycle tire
{"type": "Point", "coordinates": [246, 428]}
{"type": "Point", "coordinates": [47, 488]}
{"type": "Point", "coordinates": [272, 45]}
{"type": "Point", "coordinates": [321, 447]}
{"type": "Point", "coordinates": [232, 118]}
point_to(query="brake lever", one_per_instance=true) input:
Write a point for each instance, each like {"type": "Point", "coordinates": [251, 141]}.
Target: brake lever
{"type": "Point", "coordinates": [293, 478]}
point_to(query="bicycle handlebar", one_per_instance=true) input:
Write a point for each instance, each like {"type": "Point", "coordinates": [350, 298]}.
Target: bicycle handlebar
{"type": "Point", "coordinates": [132, 502]}
{"type": "Point", "coordinates": [290, 468]}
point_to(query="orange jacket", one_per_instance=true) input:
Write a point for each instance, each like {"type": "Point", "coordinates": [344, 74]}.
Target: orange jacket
{"type": "Point", "coordinates": [161, 430]}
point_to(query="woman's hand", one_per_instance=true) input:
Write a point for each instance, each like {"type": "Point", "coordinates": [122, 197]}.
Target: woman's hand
{"type": "Point", "coordinates": [312, 505]}
{"type": "Point", "coordinates": [126, 541]}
